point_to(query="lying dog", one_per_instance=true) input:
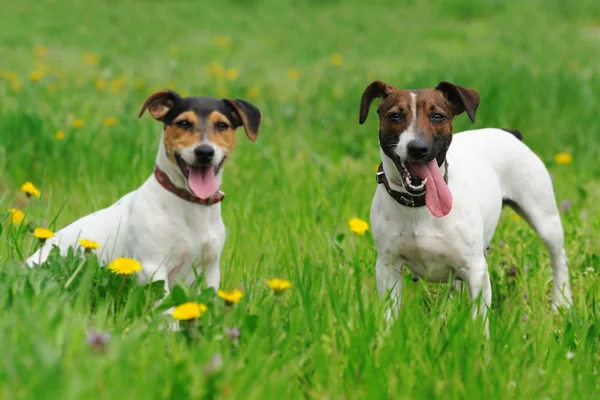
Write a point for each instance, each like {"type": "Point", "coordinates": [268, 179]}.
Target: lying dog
{"type": "Point", "coordinates": [437, 205]}
{"type": "Point", "coordinates": [172, 223]}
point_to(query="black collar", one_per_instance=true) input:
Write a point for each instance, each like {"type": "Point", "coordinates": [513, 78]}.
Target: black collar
{"type": "Point", "coordinates": [404, 198]}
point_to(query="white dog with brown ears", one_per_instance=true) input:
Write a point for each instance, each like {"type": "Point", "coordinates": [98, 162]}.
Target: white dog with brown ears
{"type": "Point", "coordinates": [440, 195]}
{"type": "Point", "coordinates": [172, 224]}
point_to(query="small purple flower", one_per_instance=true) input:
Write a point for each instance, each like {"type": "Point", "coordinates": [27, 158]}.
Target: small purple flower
{"type": "Point", "coordinates": [583, 214]}
{"type": "Point", "coordinates": [214, 365]}
{"type": "Point", "coordinates": [565, 206]}
{"type": "Point", "coordinates": [98, 340]}
{"type": "Point", "coordinates": [233, 333]}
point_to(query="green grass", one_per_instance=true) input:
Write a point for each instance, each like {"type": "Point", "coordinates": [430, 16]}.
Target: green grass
{"type": "Point", "coordinates": [289, 197]}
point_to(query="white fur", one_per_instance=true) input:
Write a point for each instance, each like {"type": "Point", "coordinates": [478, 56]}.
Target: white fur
{"type": "Point", "coordinates": [410, 133]}
{"type": "Point", "coordinates": [484, 167]}
{"type": "Point", "coordinates": [169, 236]}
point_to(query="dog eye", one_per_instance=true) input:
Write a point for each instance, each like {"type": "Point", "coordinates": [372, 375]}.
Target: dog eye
{"type": "Point", "coordinates": [437, 117]}
{"type": "Point", "coordinates": [221, 126]}
{"type": "Point", "coordinates": [396, 117]}
{"type": "Point", "coordinates": [184, 124]}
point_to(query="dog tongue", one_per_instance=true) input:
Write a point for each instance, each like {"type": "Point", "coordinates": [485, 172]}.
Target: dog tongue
{"type": "Point", "coordinates": [437, 195]}
{"type": "Point", "coordinates": [203, 182]}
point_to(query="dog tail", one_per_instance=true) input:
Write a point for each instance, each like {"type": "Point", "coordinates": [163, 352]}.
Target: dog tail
{"type": "Point", "coordinates": [515, 133]}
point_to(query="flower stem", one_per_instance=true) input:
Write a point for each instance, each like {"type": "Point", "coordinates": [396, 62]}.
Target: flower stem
{"type": "Point", "coordinates": [120, 289]}
{"type": "Point", "coordinates": [75, 273]}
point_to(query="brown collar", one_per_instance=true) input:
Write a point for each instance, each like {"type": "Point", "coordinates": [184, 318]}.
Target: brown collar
{"type": "Point", "coordinates": [404, 198]}
{"type": "Point", "coordinates": [165, 182]}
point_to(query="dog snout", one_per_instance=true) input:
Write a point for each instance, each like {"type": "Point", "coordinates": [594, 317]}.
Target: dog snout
{"type": "Point", "coordinates": [417, 149]}
{"type": "Point", "coordinates": [204, 154]}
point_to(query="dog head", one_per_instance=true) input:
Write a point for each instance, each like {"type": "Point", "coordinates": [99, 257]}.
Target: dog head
{"type": "Point", "coordinates": [415, 131]}
{"type": "Point", "coordinates": [199, 134]}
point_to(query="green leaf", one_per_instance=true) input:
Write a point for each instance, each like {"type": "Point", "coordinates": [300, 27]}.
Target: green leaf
{"type": "Point", "coordinates": [251, 322]}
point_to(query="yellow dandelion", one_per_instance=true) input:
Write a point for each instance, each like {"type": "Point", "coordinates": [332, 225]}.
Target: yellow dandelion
{"type": "Point", "coordinates": [30, 190]}
{"type": "Point", "coordinates": [231, 297]}
{"type": "Point", "coordinates": [216, 70]}
{"type": "Point", "coordinates": [184, 92]}
{"type": "Point", "coordinates": [358, 226]}
{"type": "Point", "coordinates": [91, 58]}
{"type": "Point", "coordinates": [40, 50]}
{"type": "Point", "coordinates": [16, 216]}
{"type": "Point", "coordinates": [293, 74]}
{"type": "Point", "coordinates": [336, 59]}
{"type": "Point", "coordinates": [252, 92]}
{"type": "Point", "coordinates": [89, 244]}
{"type": "Point", "coordinates": [516, 217]}
{"type": "Point", "coordinates": [78, 123]}
{"type": "Point", "coordinates": [170, 85]}
{"type": "Point", "coordinates": [189, 310]}
{"type": "Point", "coordinates": [222, 41]}
{"type": "Point", "coordinates": [279, 285]}
{"type": "Point", "coordinates": [117, 84]}
{"type": "Point", "coordinates": [110, 121]}
{"type": "Point", "coordinates": [563, 158]}
{"type": "Point", "coordinates": [43, 233]}
{"type": "Point", "coordinates": [232, 74]}
{"type": "Point", "coordinates": [100, 84]}
{"type": "Point", "coordinates": [35, 76]}
{"type": "Point", "coordinates": [124, 266]}
{"type": "Point", "coordinates": [60, 134]}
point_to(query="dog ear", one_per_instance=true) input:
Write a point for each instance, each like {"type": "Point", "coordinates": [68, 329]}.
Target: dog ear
{"type": "Point", "coordinates": [374, 90]}
{"type": "Point", "coordinates": [461, 99]}
{"type": "Point", "coordinates": [158, 104]}
{"type": "Point", "coordinates": [247, 115]}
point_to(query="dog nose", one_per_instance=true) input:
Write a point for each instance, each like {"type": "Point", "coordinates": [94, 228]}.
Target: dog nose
{"type": "Point", "coordinates": [417, 149]}
{"type": "Point", "coordinates": [204, 153]}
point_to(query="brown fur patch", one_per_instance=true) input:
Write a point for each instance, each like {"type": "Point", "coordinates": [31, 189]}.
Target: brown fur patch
{"type": "Point", "coordinates": [225, 139]}
{"type": "Point", "coordinates": [177, 138]}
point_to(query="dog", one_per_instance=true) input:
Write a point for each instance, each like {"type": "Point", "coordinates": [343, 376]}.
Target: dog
{"type": "Point", "coordinates": [172, 224]}
{"type": "Point", "coordinates": [439, 195]}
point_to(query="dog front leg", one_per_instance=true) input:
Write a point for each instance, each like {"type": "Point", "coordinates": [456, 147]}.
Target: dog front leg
{"type": "Point", "coordinates": [212, 274]}
{"type": "Point", "coordinates": [389, 280]}
{"type": "Point", "coordinates": [480, 288]}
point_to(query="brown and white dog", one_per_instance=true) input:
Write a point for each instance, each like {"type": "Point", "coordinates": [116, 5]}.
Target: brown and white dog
{"type": "Point", "coordinates": [440, 195]}
{"type": "Point", "coordinates": [172, 224]}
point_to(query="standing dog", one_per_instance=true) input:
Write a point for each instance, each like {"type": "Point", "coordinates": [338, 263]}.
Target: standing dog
{"type": "Point", "coordinates": [172, 224]}
{"type": "Point", "coordinates": [437, 205]}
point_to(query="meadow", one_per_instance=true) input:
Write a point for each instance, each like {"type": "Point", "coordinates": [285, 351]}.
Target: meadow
{"type": "Point", "coordinates": [73, 77]}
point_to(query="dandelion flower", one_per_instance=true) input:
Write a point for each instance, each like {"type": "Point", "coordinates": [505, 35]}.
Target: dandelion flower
{"type": "Point", "coordinates": [60, 134]}
{"type": "Point", "coordinates": [124, 266]}
{"type": "Point", "coordinates": [279, 285]}
{"type": "Point", "coordinates": [293, 74]}
{"type": "Point", "coordinates": [139, 84]}
{"type": "Point", "coordinates": [252, 93]}
{"type": "Point", "coordinates": [563, 158]}
{"type": "Point", "coordinates": [110, 121]}
{"type": "Point", "coordinates": [189, 311]}
{"type": "Point", "coordinates": [117, 84]}
{"type": "Point", "coordinates": [91, 58]}
{"type": "Point", "coordinates": [43, 233]}
{"type": "Point", "coordinates": [30, 190]}
{"type": "Point", "coordinates": [16, 216]}
{"type": "Point", "coordinates": [78, 123]}
{"type": "Point", "coordinates": [35, 76]}
{"type": "Point", "coordinates": [100, 84]}
{"type": "Point", "coordinates": [222, 91]}
{"type": "Point", "coordinates": [231, 74]}
{"type": "Point", "coordinates": [231, 297]}
{"type": "Point", "coordinates": [217, 70]}
{"type": "Point", "coordinates": [89, 244]}
{"type": "Point", "coordinates": [40, 51]}
{"type": "Point", "coordinates": [516, 217]}
{"type": "Point", "coordinates": [336, 59]}
{"type": "Point", "coordinates": [358, 226]}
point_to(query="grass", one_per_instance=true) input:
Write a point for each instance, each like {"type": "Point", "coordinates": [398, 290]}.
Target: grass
{"type": "Point", "coordinates": [290, 196]}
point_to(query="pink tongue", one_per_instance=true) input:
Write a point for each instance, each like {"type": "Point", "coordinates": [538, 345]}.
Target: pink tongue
{"type": "Point", "coordinates": [437, 195]}
{"type": "Point", "coordinates": [203, 182]}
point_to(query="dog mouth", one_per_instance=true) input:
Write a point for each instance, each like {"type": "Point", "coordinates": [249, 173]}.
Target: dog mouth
{"type": "Point", "coordinates": [425, 178]}
{"type": "Point", "coordinates": [412, 183]}
{"type": "Point", "coordinates": [201, 179]}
